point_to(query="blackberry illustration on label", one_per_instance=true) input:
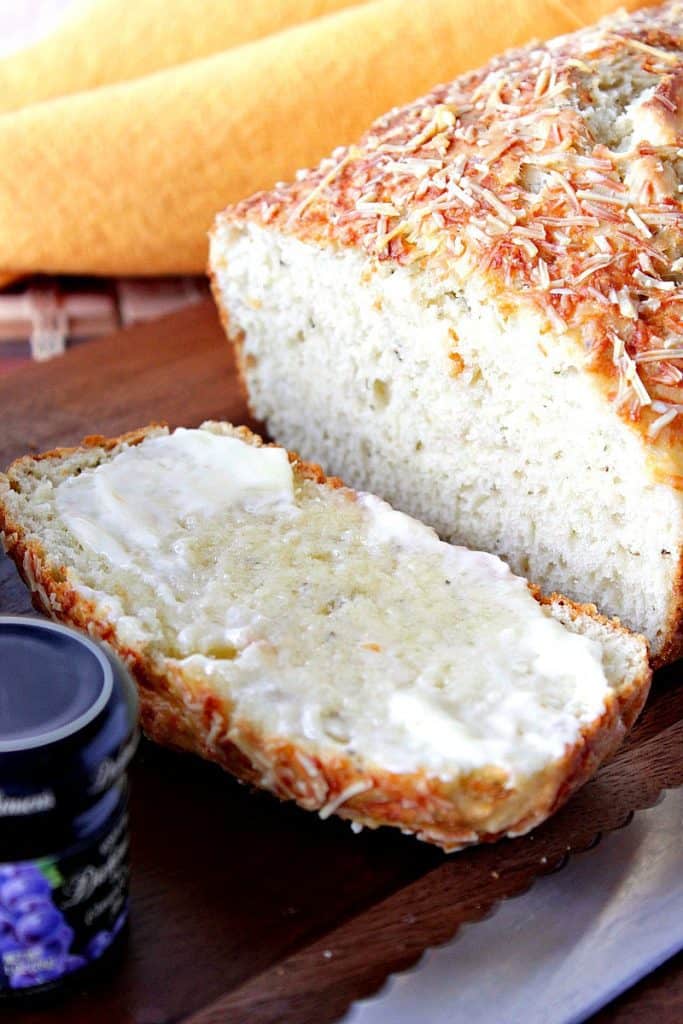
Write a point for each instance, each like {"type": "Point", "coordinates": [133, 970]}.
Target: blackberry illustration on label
{"type": "Point", "coordinates": [67, 735]}
{"type": "Point", "coordinates": [35, 938]}
{"type": "Point", "coordinates": [50, 924]}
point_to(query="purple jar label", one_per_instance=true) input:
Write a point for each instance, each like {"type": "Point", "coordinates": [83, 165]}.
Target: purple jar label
{"type": "Point", "coordinates": [59, 914]}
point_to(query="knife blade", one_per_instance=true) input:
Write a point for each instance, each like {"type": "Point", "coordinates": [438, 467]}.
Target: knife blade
{"type": "Point", "coordinates": [568, 946]}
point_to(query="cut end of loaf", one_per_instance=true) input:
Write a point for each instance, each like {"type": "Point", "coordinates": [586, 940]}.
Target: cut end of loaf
{"type": "Point", "coordinates": [553, 173]}
{"type": "Point", "coordinates": [318, 643]}
{"type": "Point", "coordinates": [479, 423]}
{"type": "Point", "coordinates": [475, 311]}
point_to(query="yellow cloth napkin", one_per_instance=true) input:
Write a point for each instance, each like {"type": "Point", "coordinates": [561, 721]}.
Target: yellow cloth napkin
{"type": "Point", "coordinates": [103, 41]}
{"type": "Point", "coordinates": [125, 178]}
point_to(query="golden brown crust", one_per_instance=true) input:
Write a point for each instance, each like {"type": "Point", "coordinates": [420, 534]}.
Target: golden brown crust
{"type": "Point", "coordinates": [180, 711]}
{"type": "Point", "coordinates": [507, 173]}
{"type": "Point", "coordinates": [91, 441]}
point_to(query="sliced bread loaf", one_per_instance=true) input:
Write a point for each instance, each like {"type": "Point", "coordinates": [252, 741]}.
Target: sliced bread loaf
{"type": "Point", "coordinates": [477, 313]}
{"type": "Point", "coordinates": [317, 643]}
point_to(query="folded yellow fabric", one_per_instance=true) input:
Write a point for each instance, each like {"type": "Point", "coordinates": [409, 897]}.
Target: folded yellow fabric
{"type": "Point", "coordinates": [126, 178]}
{"type": "Point", "coordinates": [103, 41]}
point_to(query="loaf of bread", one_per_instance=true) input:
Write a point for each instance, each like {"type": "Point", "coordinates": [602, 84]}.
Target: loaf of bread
{"type": "Point", "coordinates": [477, 313]}
{"type": "Point", "coordinates": [317, 643]}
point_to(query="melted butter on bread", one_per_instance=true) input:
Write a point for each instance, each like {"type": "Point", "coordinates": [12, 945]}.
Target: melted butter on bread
{"type": "Point", "coordinates": [434, 657]}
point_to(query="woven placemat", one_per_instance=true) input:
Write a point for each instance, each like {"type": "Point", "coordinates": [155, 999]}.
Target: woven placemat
{"type": "Point", "coordinates": [41, 317]}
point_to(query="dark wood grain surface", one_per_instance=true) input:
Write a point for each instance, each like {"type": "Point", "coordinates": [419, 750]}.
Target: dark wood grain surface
{"type": "Point", "coordinates": [246, 910]}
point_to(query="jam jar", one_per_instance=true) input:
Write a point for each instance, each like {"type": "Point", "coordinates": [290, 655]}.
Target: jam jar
{"type": "Point", "coordinates": [68, 730]}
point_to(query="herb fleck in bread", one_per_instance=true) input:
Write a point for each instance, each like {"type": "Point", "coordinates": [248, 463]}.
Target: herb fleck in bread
{"type": "Point", "coordinates": [316, 643]}
{"type": "Point", "coordinates": [477, 313]}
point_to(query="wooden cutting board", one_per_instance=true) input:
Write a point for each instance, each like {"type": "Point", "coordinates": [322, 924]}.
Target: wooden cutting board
{"type": "Point", "coordinates": [244, 909]}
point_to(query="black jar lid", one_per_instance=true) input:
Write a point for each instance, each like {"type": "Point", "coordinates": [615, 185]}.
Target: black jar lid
{"type": "Point", "coordinates": [68, 719]}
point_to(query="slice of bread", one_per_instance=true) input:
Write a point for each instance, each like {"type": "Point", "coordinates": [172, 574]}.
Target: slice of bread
{"type": "Point", "coordinates": [317, 643]}
{"type": "Point", "coordinates": [476, 312]}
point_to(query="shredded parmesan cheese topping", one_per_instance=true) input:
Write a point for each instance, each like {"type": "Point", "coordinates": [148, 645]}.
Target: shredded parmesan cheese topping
{"type": "Point", "coordinates": [504, 172]}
